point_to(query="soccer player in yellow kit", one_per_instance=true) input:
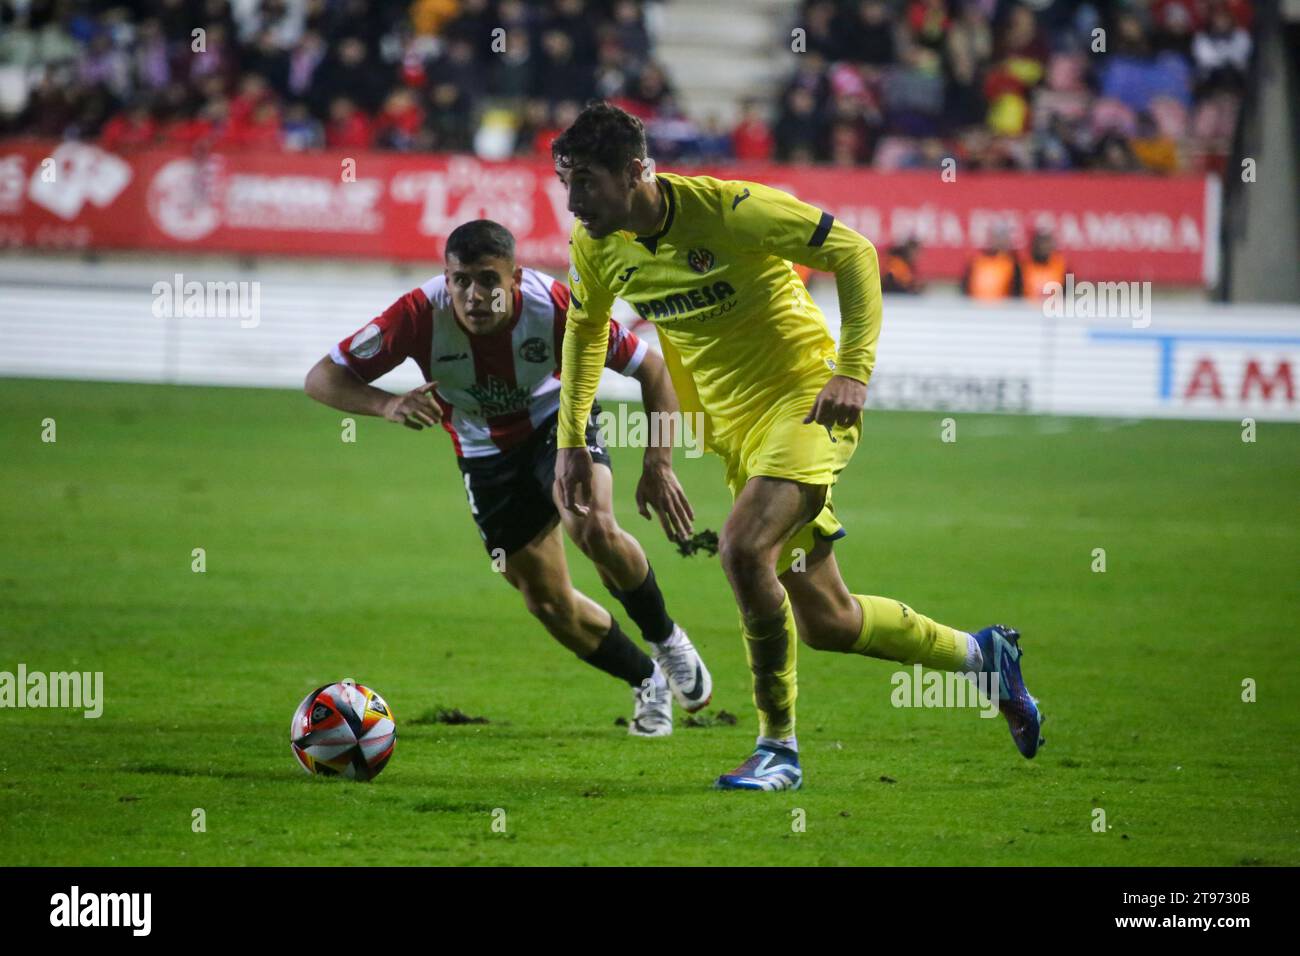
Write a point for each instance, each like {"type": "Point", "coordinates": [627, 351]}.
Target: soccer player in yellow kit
{"type": "Point", "coordinates": [709, 263]}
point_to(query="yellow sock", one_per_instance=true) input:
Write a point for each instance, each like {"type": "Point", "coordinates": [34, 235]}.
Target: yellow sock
{"type": "Point", "coordinates": [771, 645]}
{"type": "Point", "coordinates": [893, 631]}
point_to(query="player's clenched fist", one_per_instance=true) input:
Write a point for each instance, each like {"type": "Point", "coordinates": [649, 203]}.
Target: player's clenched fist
{"type": "Point", "coordinates": [839, 402]}
{"type": "Point", "coordinates": [416, 409]}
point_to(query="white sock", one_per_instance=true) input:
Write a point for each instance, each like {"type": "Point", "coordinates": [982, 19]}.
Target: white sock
{"type": "Point", "coordinates": [974, 657]}
{"type": "Point", "coordinates": [789, 743]}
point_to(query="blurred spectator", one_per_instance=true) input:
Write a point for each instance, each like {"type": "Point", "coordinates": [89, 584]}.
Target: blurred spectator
{"type": "Point", "coordinates": [304, 61]}
{"type": "Point", "coordinates": [1041, 265]}
{"type": "Point", "coordinates": [649, 95]}
{"type": "Point", "coordinates": [818, 23]}
{"type": "Point", "coordinates": [269, 60]}
{"type": "Point", "coordinates": [1222, 53]}
{"type": "Point", "coordinates": [1025, 71]}
{"type": "Point", "coordinates": [993, 273]}
{"type": "Point", "coordinates": [898, 270]}
{"type": "Point", "coordinates": [151, 63]}
{"type": "Point", "coordinates": [185, 126]}
{"type": "Point", "coordinates": [968, 48]}
{"type": "Point", "coordinates": [563, 75]}
{"type": "Point", "coordinates": [130, 130]}
{"type": "Point", "coordinates": [1001, 84]}
{"type": "Point", "coordinates": [573, 19]}
{"type": "Point", "coordinates": [472, 24]}
{"type": "Point", "coordinates": [300, 130]}
{"type": "Point", "coordinates": [556, 122]}
{"type": "Point", "coordinates": [516, 74]}
{"type": "Point", "coordinates": [259, 130]}
{"type": "Point", "coordinates": [627, 32]}
{"type": "Point", "coordinates": [534, 125]}
{"type": "Point", "coordinates": [1113, 155]}
{"type": "Point", "coordinates": [215, 57]}
{"type": "Point", "coordinates": [1021, 61]}
{"type": "Point", "coordinates": [449, 119]}
{"type": "Point", "coordinates": [1154, 149]}
{"type": "Point", "coordinates": [428, 17]}
{"type": "Point", "coordinates": [751, 140]}
{"type": "Point", "coordinates": [913, 94]}
{"type": "Point", "coordinates": [612, 70]}
{"type": "Point", "coordinates": [798, 129]}
{"type": "Point", "coordinates": [867, 34]}
{"type": "Point", "coordinates": [848, 145]}
{"type": "Point", "coordinates": [253, 92]}
{"type": "Point", "coordinates": [1172, 25]}
{"type": "Point", "coordinates": [349, 127]}
{"type": "Point", "coordinates": [714, 142]}
{"type": "Point", "coordinates": [105, 65]}
{"type": "Point", "coordinates": [350, 74]}
{"type": "Point", "coordinates": [928, 22]}
{"type": "Point", "coordinates": [401, 124]}
{"type": "Point", "coordinates": [1134, 76]}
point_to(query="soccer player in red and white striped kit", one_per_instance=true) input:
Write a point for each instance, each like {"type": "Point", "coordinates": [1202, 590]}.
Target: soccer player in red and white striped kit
{"type": "Point", "coordinates": [488, 334]}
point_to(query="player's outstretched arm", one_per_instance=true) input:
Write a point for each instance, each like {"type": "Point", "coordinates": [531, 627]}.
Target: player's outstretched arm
{"type": "Point", "coordinates": [659, 488]}
{"type": "Point", "coordinates": [339, 387]}
{"type": "Point", "coordinates": [586, 341]}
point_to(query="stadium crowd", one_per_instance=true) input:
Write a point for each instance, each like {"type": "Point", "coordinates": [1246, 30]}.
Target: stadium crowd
{"type": "Point", "coordinates": [1040, 84]}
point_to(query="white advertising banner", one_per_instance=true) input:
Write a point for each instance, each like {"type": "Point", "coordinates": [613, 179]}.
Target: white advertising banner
{"type": "Point", "coordinates": [130, 322]}
{"type": "Point", "coordinates": [1183, 361]}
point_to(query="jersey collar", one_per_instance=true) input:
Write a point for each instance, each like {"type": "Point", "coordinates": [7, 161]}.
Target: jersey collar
{"type": "Point", "coordinates": [652, 242]}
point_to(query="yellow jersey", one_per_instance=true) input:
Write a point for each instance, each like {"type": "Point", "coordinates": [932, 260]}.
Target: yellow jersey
{"type": "Point", "coordinates": [738, 329]}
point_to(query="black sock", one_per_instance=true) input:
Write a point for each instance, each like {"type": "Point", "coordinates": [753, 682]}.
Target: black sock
{"type": "Point", "coordinates": [617, 655]}
{"type": "Point", "coordinates": [645, 605]}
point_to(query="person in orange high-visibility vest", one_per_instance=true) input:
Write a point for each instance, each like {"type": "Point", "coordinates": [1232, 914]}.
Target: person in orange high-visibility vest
{"type": "Point", "coordinates": [1042, 265]}
{"type": "Point", "coordinates": [898, 269]}
{"type": "Point", "coordinates": [993, 273]}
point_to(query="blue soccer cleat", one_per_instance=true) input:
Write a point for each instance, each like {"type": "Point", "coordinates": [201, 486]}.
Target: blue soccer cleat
{"type": "Point", "coordinates": [1000, 646]}
{"type": "Point", "coordinates": [769, 768]}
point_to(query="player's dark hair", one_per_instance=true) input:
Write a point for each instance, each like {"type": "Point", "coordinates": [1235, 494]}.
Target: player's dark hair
{"type": "Point", "coordinates": [480, 239]}
{"type": "Point", "coordinates": [602, 135]}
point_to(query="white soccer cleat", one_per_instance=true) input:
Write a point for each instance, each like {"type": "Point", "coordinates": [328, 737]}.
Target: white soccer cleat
{"type": "Point", "coordinates": [687, 675]}
{"type": "Point", "coordinates": [653, 716]}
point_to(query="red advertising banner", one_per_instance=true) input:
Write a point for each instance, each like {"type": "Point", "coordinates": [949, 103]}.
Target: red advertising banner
{"type": "Point", "coordinates": [402, 206]}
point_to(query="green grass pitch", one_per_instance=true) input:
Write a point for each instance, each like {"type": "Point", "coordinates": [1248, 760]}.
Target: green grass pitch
{"type": "Point", "coordinates": [327, 560]}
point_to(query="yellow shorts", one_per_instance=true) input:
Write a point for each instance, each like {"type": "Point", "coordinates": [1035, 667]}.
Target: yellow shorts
{"type": "Point", "coordinates": [779, 445]}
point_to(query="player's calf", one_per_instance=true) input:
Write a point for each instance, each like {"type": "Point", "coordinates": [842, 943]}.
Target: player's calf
{"type": "Point", "coordinates": [599, 537]}
{"type": "Point", "coordinates": [826, 614]}
{"type": "Point", "coordinates": [559, 614]}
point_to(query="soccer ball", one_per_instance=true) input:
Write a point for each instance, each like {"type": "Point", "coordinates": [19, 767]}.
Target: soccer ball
{"type": "Point", "coordinates": [343, 729]}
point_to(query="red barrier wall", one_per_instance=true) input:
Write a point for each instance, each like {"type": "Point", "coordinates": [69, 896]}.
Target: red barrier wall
{"type": "Point", "coordinates": [401, 206]}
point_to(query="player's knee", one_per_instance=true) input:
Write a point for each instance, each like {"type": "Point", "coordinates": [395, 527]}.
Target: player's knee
{"type": "Point", "coordinates": [597, 536]}
{"type": "Point", "coordinates": [551, 609]}
{"type": "Point", "coordinates": [741, 559]}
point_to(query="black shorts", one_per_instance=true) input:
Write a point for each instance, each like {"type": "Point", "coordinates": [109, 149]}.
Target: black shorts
{"type": "Point", "coordinates": [510, 493]}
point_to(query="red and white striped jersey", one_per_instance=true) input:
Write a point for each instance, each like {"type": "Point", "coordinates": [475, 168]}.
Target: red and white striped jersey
{"type": "Point", "coordinates": [494, 390]}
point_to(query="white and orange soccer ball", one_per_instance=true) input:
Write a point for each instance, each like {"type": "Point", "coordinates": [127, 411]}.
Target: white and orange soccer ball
{"type": "Point", "coordinates": [343, 729]}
